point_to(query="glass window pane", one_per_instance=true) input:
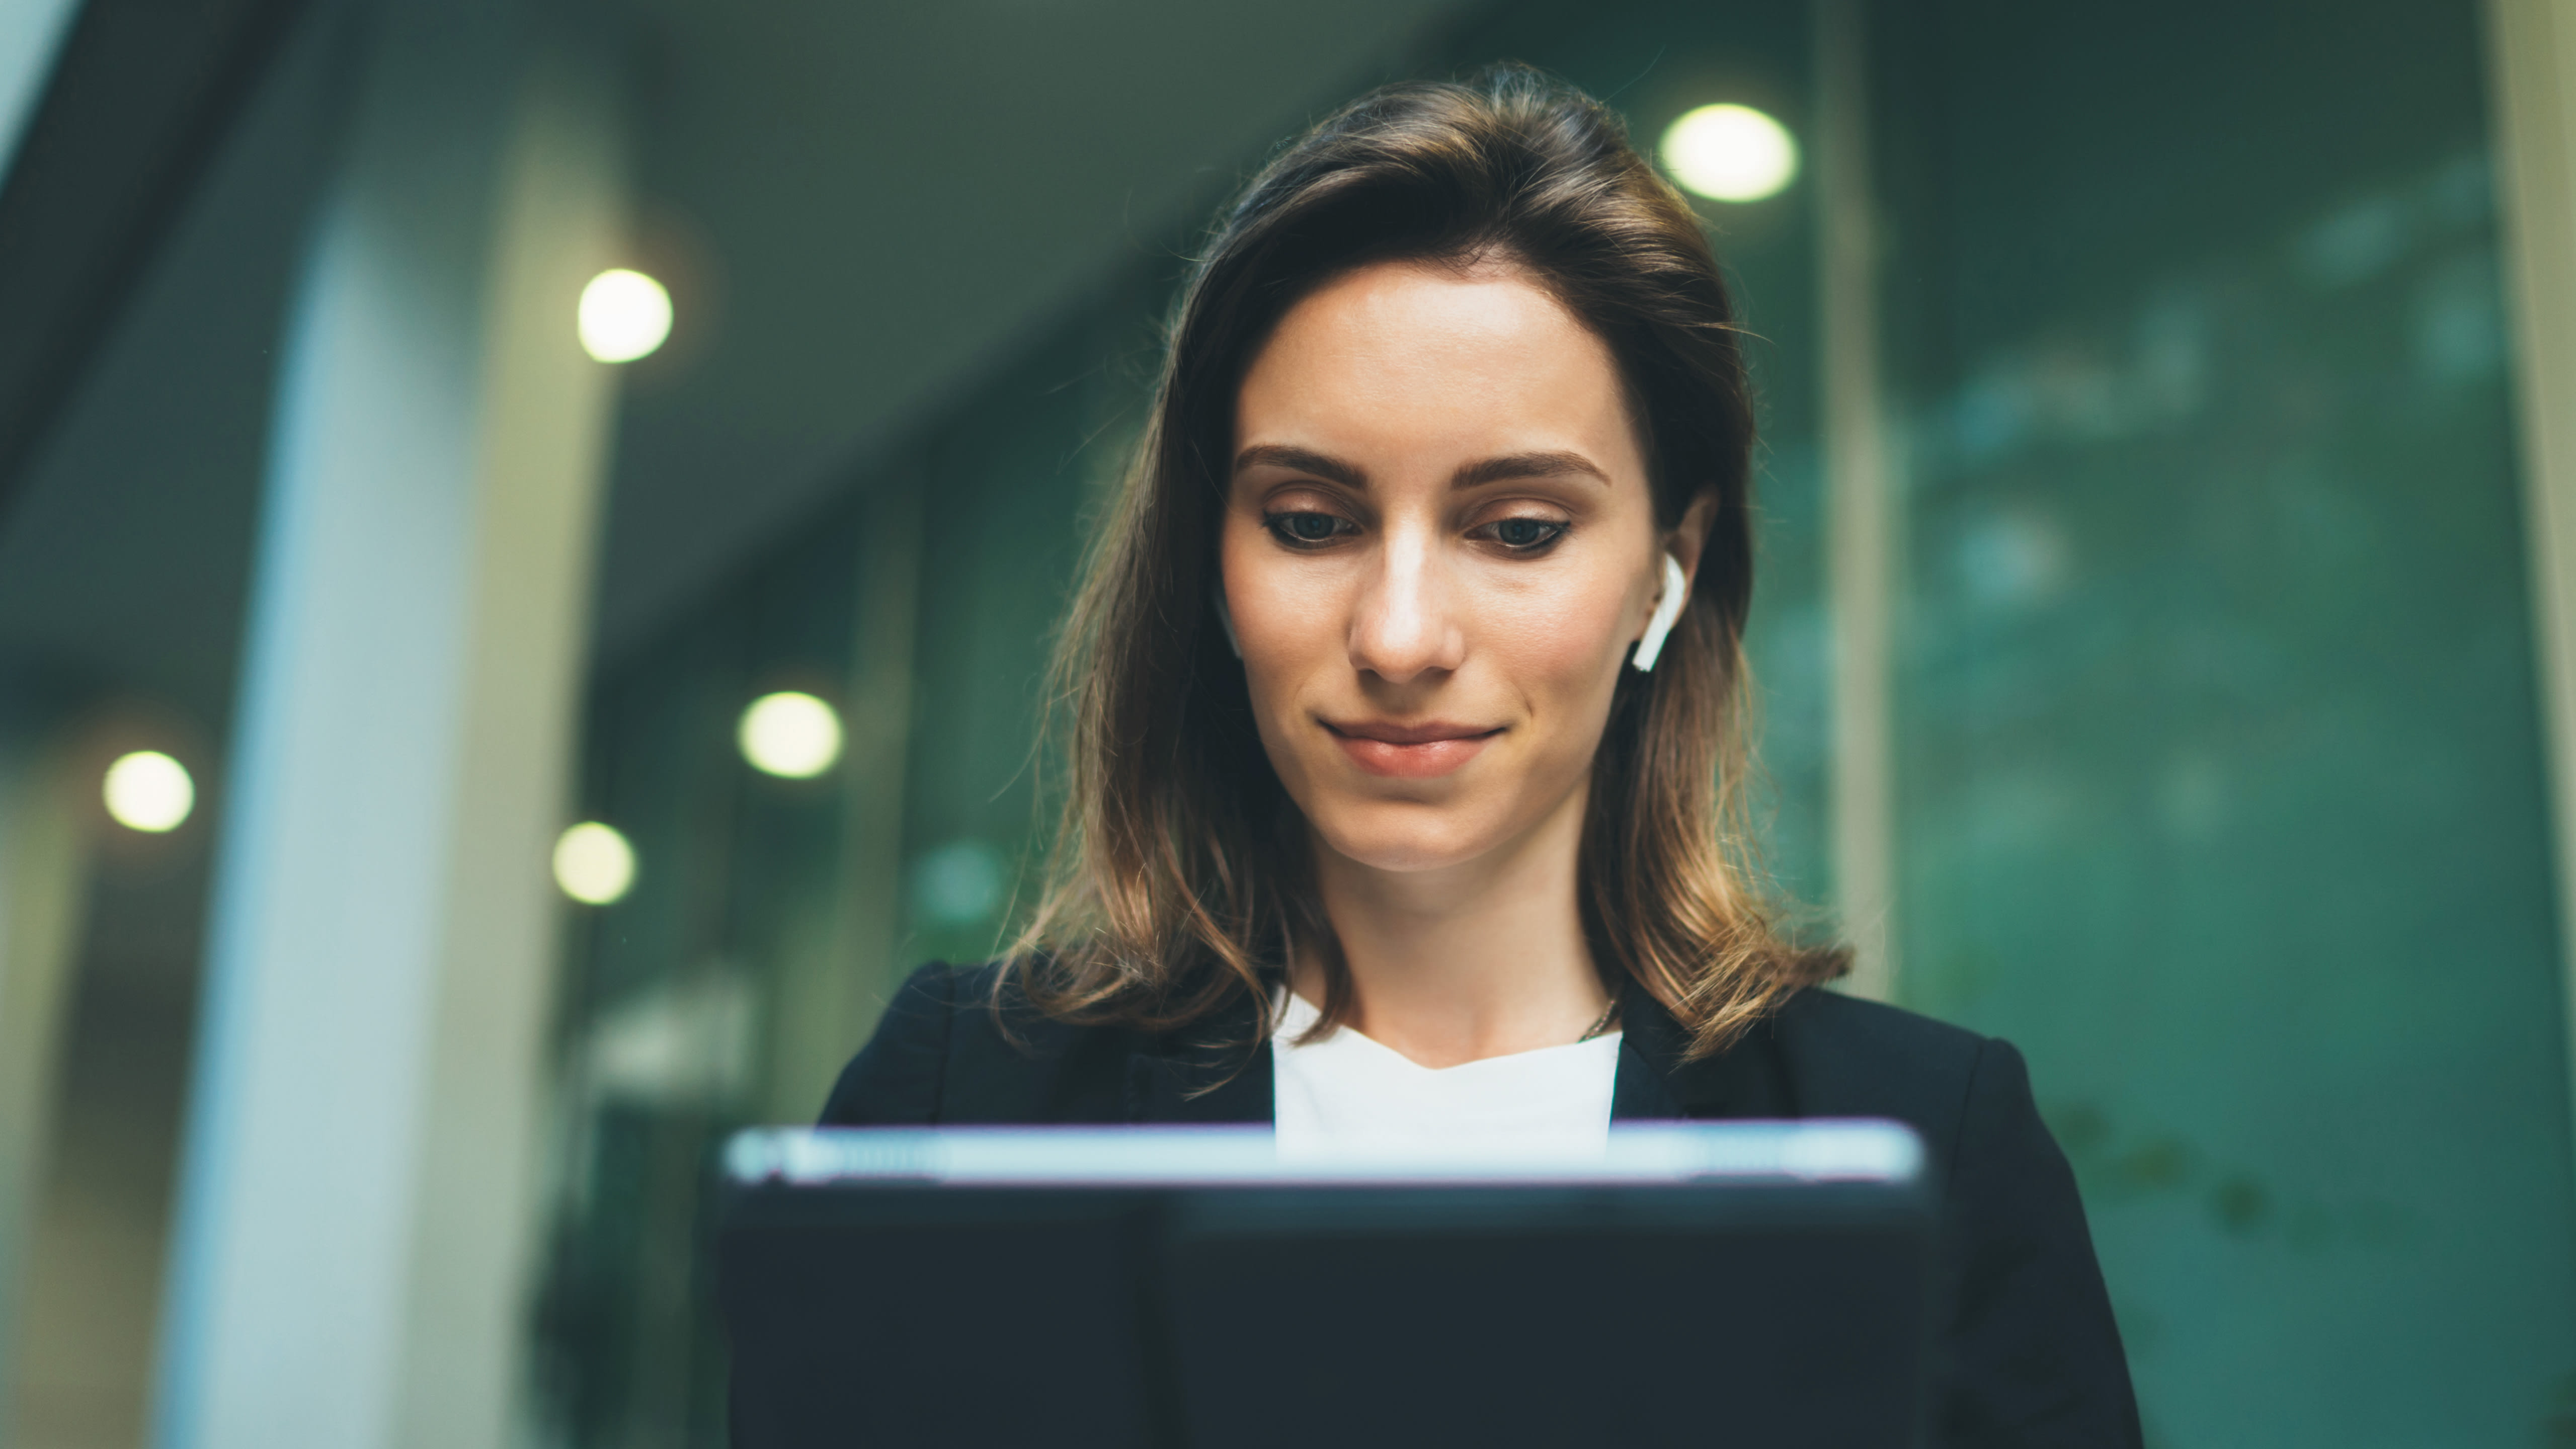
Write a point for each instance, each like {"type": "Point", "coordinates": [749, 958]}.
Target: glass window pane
{"type": "Point", "coordinates": [2221, 788]}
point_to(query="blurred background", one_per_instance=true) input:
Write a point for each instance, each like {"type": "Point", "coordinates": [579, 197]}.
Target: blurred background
{"type": "Point", "coordinates": [529, 532]}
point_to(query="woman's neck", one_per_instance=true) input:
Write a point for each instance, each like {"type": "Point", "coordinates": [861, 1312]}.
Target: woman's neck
{"type": "Point", "coordinates": [1475, 960]}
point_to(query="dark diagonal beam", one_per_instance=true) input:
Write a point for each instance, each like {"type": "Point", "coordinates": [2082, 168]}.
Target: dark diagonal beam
{"type": "Point", "coordinates": [142, 94]}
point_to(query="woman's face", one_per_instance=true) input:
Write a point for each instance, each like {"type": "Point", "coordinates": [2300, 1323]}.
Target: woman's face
{"type": "Point", "coordinates": [1439, 545]}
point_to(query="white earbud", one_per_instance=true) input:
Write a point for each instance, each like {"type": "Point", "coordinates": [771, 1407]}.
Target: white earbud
{"type": "Point", "coordinates": [1668, 612]}
{"type": "Point", "coordinates": [1225, 616]}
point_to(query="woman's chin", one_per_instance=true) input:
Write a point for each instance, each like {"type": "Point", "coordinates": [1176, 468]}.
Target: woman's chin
{"type": "Point", "coordinates": [1408, 838]}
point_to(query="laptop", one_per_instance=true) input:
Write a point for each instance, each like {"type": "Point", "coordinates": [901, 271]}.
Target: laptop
{"type": "Point", "coordinates": [1756, 1283]}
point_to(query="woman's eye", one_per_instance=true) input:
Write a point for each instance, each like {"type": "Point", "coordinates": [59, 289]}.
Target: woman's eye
{"type": "Point", "coordinates": [1524, 535]}
{"type": "Point", "coordinates": [1305, 530]}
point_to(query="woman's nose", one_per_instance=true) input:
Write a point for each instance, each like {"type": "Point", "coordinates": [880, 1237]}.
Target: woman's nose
{"type": "Point", "coordinates": [1404, 626]}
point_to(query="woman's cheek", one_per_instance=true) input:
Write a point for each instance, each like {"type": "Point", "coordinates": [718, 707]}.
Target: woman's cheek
{"type": "Point", "coordinates": [1282, 631]}
{"type": "Point", "coordinates": [1289, 635]}
{"type": "Point", "coordinates": [1557, 646]}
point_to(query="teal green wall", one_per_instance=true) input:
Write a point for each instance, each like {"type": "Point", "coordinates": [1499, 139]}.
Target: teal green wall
{"type": "Point", "coordinates": [1007, 491]}
{"type": "Point", "coordinates": [2220, 771]}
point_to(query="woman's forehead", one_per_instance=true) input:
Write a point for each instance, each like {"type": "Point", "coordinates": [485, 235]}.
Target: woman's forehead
{"type": "Point", "coordinates": [1419, 360]}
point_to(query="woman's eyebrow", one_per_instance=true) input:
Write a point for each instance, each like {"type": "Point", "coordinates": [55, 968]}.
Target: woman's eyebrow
{"type": "Point", "coordinates": [1300, 460]}
{"type": "Point", "coordinates": [1527, 465]}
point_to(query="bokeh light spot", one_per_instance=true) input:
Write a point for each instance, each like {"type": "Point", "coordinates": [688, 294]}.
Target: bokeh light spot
{"type": "Point", "coordinates": [959, 884]}
{"type": "Point", "coordinates": [1730, 153]}
{"type": "Point", "coordinates": [790, 734]}
{"type": "Point", "coordinates": [624, 315]}
{"type": "Point", "coordinates": [148, 790]}
{"type": "Point", "coordinates": [594, 864]}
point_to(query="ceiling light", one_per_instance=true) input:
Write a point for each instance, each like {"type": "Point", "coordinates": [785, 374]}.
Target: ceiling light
{"type": "Point", "coordinates": [1730, 153]}
{"type": "Point", "coordinates": [624, 315]}
{"type": "Point", "coordinates": [148, 790]}
{"type": "Point", "coordinates": [790, 734]}
{"type": "Point", "coordinates": [594, 864]}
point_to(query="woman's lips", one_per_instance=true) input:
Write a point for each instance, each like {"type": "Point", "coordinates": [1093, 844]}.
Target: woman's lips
{"type": "Point", "coordinates": [1411, 752]}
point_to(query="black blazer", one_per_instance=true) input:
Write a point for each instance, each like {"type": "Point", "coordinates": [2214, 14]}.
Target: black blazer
{"type": "Point", "coordinates": [2032, 1356]}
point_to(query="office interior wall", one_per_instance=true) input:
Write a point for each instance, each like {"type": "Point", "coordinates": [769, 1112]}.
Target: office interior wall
{"type": "Point", "coordinates": [2531, 68]}
{"type": "Point", "coordinates": [349, 1260]}
{"type": "Point", "coordinates": [124, 561]}
{"type": "Point", "coordinates": [1863, 510]}
{"type": "Point", "coordinates": [2220, 775]}
{"type": "Point", "coordinates": [45, 865]}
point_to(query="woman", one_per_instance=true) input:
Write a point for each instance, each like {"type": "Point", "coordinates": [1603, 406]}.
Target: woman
{"type": "Point", "coordinates": [1403, 785]}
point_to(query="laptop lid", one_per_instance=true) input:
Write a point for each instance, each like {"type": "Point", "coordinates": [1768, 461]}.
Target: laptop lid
{"type": "Point", "coordinates": [1761, 1282]}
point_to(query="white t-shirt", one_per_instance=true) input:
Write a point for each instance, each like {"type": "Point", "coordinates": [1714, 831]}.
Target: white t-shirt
{"type": "Point", "coordinates": [1348, 1094]}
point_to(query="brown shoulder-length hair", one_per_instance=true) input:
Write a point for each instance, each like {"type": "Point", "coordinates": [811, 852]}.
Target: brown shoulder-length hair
{"type": "Point", "coordinates": [1182, 873]}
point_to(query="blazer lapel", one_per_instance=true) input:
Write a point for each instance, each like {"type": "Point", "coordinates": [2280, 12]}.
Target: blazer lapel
{"type": "Point", "coordinates": [1642, 1090]}
{"type": "Point", "coordinates": [1655, 1082]}
{"type": "Point", "coordinates": [1181, 1089]}
{"type": "Point", "coordinates": [1211, 1077]}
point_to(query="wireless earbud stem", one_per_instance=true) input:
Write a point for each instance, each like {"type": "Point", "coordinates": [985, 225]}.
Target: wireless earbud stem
{"type": "Point", "coordinates": [1668, 612]}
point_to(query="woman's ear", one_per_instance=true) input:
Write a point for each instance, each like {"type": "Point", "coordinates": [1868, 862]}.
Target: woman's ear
{"type": "Point", "coordinates": [1690, 539]}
